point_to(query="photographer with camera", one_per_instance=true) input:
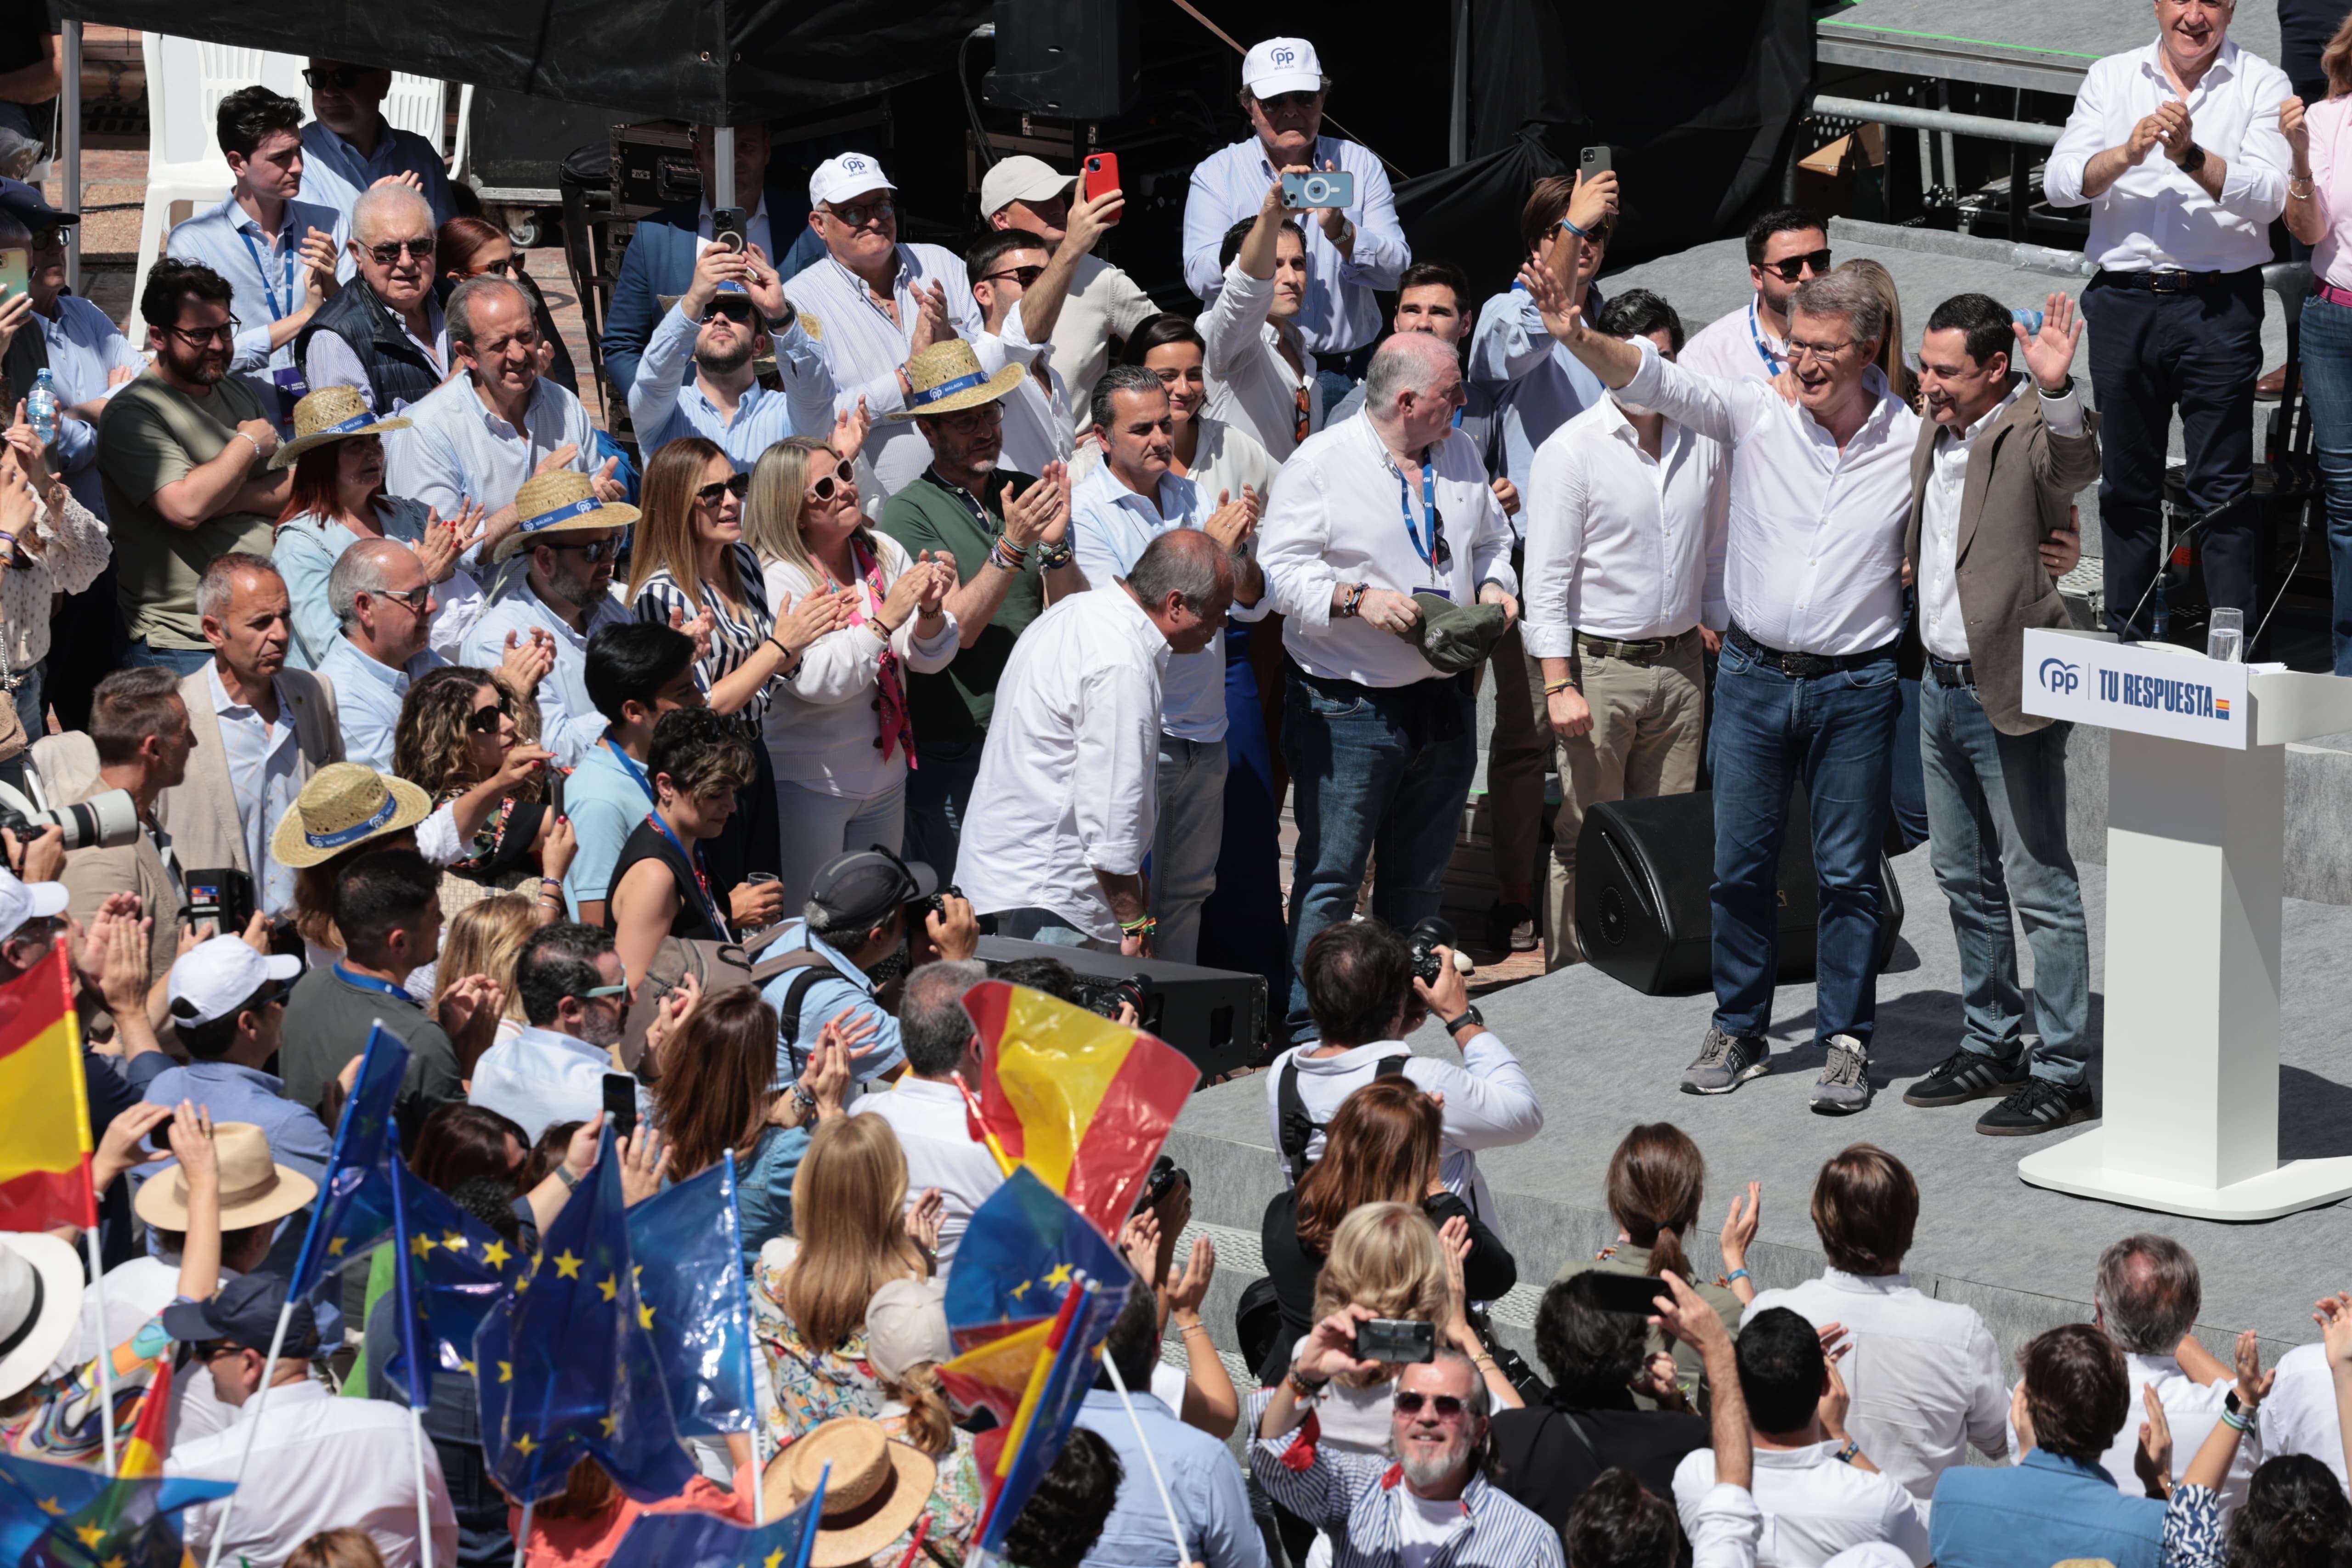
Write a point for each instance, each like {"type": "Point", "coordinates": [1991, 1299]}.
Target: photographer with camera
{"type": "Point", "coordinates": [139, 741]}
{"type": "Point", "coordinates": [870, 919]}
{"type": "Point", "coordinates": [1367, 995]}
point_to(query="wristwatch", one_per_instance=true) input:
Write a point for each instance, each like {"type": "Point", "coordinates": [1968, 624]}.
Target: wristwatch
{"type": "Point", "coordinates": [1470, 1015]}
{"type": "Point", "coordinates": [2192, 159]}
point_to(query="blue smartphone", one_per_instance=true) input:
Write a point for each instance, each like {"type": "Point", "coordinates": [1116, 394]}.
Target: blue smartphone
{"type": "Point", "coordinates": [1331, 188]}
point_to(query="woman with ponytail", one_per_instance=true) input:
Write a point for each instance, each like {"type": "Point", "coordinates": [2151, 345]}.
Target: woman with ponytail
{"type": "Point", "coordinates": [1657, 1180]}
{"type": "Point", "coordinates": [906, 1340]}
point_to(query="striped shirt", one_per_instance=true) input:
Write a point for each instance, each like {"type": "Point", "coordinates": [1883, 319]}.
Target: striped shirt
{"type": "Point", "coordinates": [864, 347]}
{"type": "Point", "coordinates": [666, 402]}
{"type": "Point", "coordinates": [1364, 1495]}
{"type": "Point", "coordinates": [735, 631]}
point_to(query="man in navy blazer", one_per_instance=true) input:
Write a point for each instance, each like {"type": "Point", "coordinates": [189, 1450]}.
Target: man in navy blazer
{"type": "Point", "coordinates": [661, 254]}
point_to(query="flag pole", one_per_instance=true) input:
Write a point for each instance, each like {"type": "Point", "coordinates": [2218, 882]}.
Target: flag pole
{"type": "Point", "coordinates": [522, 1534]}
{"type": "Point", "coordinates": [423, 1506]}
{"type": "Point", "coordinates": [105, 1348]}
{"type": "Point", "coordinates": [1175, 1525]}
{"type": "Point", "coordinates": [252, 1428]}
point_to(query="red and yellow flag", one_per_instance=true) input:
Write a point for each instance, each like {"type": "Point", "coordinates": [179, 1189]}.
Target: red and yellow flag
{"type": "Point", "coordinates": [1083, 1101]}
{"type": "Point", "coordinates": [143, 1455]}
{"type": "Point", "coordinates": [45, 1145]}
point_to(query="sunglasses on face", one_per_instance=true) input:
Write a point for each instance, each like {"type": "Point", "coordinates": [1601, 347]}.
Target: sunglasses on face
{"type": "Point", "coordinates": [857, 214]}
{"type": "Point", "coordinates": [485, 720]}
{"type": "Point", "coordinates": [1446, 1406]}
{"type": "Point", "coordinates": [737, 311]}
{"type": "Point", "coordinates": [593, 551]}
{"type": "Point", "coordinates": [823, 487]}
{"type": "Point", "coordinates": [342, 78]}
{"type": "Point", "coordinates": [389, 252]}
{"type": "Point", "coordinates": [502, 266]}
{"type": "Point", "coordinates": [1793, 270]}
{"type": "Point", "coordinates": [736, 485]}
{"type": "Point", "coordinates": [1024, 276]}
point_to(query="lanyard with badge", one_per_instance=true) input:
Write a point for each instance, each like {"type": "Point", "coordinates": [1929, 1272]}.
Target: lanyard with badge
{"type": "Point", "coordinates": [693, 858]}
{"type": "Point", "coordinates": [1771, 360]}
{"type": "Point", "coordinates": [629, 766]}
{"type": "Point", "coordinates": [1437, 555]}
{"type": "Point", "coordinates": [287, 379]}
{"type": "Point", "coordinates": [370, 983]}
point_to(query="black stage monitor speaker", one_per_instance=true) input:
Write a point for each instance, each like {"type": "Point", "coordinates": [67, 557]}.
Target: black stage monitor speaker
{"type": "Point", "coordinates": [1067, 60]}
{"type": "Point", "coordinates": [1643, 871]}
{"type": "Point", "coordinates": [1215, 1016]}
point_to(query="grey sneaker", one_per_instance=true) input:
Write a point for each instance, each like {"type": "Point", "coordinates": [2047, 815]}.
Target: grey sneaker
{"type": "Point", "coordinates": [1725, 1062]}
{"type": "Point", "coordinates": [1843, 1087]}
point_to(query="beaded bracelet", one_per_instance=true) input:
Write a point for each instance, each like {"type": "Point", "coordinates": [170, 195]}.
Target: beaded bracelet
{"type": "Point", "coordinates": [1007, 556]}
{"type": "Point", "coordinates": [1146, 926]}
{"type": "Point", "coordinates": [1555, 686]}
{"type": "Point", "coordinates": [1054, 558]}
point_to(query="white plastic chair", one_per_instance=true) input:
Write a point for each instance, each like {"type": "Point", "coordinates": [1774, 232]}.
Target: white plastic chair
{"type": "Point", "coordinates": [185, 82]}
{"type": "Point", "coordinates": [418, 103]}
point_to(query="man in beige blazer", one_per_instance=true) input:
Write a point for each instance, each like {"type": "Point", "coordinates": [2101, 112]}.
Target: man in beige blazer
{"type": "Point", "coordinates": [1989, 535]}
{"type": "Point", "coordinates": [261, 730]}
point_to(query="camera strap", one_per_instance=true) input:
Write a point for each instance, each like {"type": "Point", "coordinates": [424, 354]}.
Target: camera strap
{"type": "Point", "coordinates": [1299, 1128]}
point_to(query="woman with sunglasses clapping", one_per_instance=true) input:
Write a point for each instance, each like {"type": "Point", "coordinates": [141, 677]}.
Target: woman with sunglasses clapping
{"type": "Point", "coordinates": [839, 738]}
{"type": "Point", "coordinates": [460, 740]}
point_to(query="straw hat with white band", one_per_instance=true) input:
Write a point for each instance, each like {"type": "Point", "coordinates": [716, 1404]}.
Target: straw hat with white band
{"type": "Point", "coordinates": [40, 1302]}
{"type": "Point", "coordinates": [946, 378]}
{"type": "Point", "coordinates": [330, 413]}
{"type": "Point", "coordinates": [345, 804]}
{"type": "Point", "coordinates": [254, 1189]}
{"type": "Point", "coordinates": [561, 502]}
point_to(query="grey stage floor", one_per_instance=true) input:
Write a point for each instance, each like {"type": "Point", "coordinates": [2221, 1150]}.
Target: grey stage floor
{"type": "Point", "coordinates": [2079, 31]}
{"type": "Point", "coordinates": [1603, 1058]}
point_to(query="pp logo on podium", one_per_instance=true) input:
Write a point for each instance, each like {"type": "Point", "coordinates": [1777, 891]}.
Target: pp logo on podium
{"type": "Point", "coordinates": [2058, 675]}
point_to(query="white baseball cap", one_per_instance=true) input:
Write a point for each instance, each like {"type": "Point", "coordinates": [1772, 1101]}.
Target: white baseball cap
{"type": "Point", "coordinates": [220, 974]}
{"type": "Point", "coordinates": [22, 901]}
{"type": "Point", "coordinates": [1281, 65]}
{"type": "Point", "coordinates": [1023, 179]}
{"type": "Point", "coordinates": [851, 174]}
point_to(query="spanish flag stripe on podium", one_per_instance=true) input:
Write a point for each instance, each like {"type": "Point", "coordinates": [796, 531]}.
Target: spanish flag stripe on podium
{"type": "Point", "coordinates": [45, 1146]}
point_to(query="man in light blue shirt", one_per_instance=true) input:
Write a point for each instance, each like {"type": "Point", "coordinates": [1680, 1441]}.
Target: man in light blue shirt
{"type": "Point", "coordinates": [715, 332]}
{"type": "Point", "coordinates": [1117, 511]}
{"type": "Point", "coordinates": [1350, 253]}
{"type": "Point", "coordinates": [1534, 383]}
{"type": "Point", "coordinates": [575, 998]}
{"type": "Point", "coordinates": [283, 258]}
{"type": "Point", "coordinates": [350, 146]}
{"type": "Point", "coordinates": [380, 596]}
{"type": "Point", "coordinates": [1204, 1484]}
{"type": "Point", "coordinates": [89, 356]}
{"type": "Point", "coordinates": [634, 672]}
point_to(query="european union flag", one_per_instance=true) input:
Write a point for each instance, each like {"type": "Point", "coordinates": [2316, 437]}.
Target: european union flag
{"type": "Point", "coordinates": [565, 1367]}
{"type": "Point", "coordinates": [1018, 1259]}
{"type": "Point", "coordinates": [353, 1212]}
{"type": "Point", "coordinates": [1014, 1457]}
{"type": "Point", "coordinates": [688, 1246]}
{"type": "Point", "coordinates": [67, 1516]}
{"type": "Point", "coordinates": [694, 1540]}
{"type": "Point", "coordinates": [453, 1270]}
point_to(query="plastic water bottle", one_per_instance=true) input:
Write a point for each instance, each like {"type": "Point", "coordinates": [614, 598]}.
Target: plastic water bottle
{"type": "Point", "coordinates": [41, 407]}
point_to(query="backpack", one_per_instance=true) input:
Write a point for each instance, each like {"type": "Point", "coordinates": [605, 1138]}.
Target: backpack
{"type": "Point", "coordinates": [719, 967]}
{"type": "Point", "coordinates": [1299, 1128]}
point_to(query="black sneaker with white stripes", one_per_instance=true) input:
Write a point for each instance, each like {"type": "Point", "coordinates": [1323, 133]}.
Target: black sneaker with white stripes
{"type": "Point", "coordinates": [1967, 1075]}
{"type": "Point", "coordinates": [2038, 1106]}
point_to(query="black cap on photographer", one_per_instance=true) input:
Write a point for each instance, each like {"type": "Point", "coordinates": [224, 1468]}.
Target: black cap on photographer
{"type": "Point", "coordinates": [862, 888]}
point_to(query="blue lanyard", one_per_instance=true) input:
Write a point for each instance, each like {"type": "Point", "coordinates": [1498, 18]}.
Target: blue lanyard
{"type": "Point", "coordinates": [370, 983]}
{"type": "Point", "coordinates": [268, 292]}
{"type": "Point", "coordinates": [1429, 509]}
{"type": "Point", "coordinates": [1771, 362]}
{"type": "Point", "coordinates": [629, 766]}
{"type": "Point", "coordinates": [693, 858]}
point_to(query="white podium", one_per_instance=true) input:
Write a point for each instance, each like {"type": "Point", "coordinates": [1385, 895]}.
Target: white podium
{"type": "Point", "coordinates": [2196, 803]}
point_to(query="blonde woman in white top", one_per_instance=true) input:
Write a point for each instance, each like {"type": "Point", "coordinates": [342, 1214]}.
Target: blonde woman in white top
{"type": "Point", "coordinates": [837, 729]}
{"type": "Point", "coordinates": [59, 547]}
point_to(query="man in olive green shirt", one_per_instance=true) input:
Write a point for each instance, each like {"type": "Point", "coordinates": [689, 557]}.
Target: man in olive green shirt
{"type": "Point", "coordinates": [183, 454]}
{"type": "Point", "coordinates": [1010, 537]}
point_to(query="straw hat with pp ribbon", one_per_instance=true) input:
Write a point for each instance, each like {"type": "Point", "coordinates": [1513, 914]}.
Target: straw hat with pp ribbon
{"type": "Point", "coordinates": [561, 502]}
{"type": "Point", "coordinates": [330, 413]}
{"type": "Point", "coordinates": [876, 1493]}
{"type": "Point", "coordinates": [254, 1189]}
{"type": "Point", "coordinates": [40, 1302]}
{"type": "Point", "coordinates": [946, 378]}
{"type": "Point", "coordinates": [345, 804]}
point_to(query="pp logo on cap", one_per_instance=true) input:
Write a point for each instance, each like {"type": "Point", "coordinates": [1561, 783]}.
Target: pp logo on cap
{"type": "Point", "coordinates": [1286, 56]}
{"type": "Point", "coordinates": [852, 166]}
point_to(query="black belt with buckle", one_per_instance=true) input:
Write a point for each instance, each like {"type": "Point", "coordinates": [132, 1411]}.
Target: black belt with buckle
{"type": "Point", "coordinates": [1947, 673]}
{"type": "Point", "coordinates": [1647, 651]}
{"type": "Point", "coordinates": [2166, 280]}
{"type": "Point", "coordinates": [1802, 666]}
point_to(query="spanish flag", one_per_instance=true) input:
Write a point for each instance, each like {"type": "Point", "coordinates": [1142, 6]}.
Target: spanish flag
{"type": "Point", "coordinates": [45, 1145]}
{"type": "Point", "coordinates": [1084, 1102]}
{"type": "Point", "coordinates": [143, 1455]}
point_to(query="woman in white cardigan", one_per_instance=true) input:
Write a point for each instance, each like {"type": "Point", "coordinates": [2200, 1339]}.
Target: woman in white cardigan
{"type": "Point", "coordinates": [837, 731]}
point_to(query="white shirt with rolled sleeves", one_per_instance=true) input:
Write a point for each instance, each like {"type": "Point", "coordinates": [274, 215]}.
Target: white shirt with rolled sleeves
{"type": "Point", "coordinates": [2299, 1416]}
{"type": "Point", "coordinates": [1039, 428]}
{"type": "Point", "coordinates": [1250, 385]}
{"type": "Point", "coordinates": [933, 1128]}
{"type": "Point", "coordinates": [1340, 312]}
{"type": "Point", "coordinates": [1925, 1374]}
{"type": "Point", "coordinates": [568, 723]}
{"type": "Point", "coordinates": [1489, 1103]}
{"type": "Point", "coordinates": [1942, 626]}
{"type": "Point", "coordinates": [1111, 526]}
{"type": "Point", "coordinates": [1336, 516]}
{"type": "Point", "coordinates": [2155, 216]}
{"type": "Point", "coordinates": [457, 448]}
{"type": "Point", "coordinates": [1069, 783]}
{"type": "Point", "coordinates": [865, 348]}
{"type": "Point", "coordinates": [1814, 1507]}
{"type": "Point", "coordinates": [1814, 555]}
{"type": "Point", "coordinates": [1621, 544]}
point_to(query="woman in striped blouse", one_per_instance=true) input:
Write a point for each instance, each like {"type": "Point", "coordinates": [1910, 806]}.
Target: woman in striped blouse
{"type": "Point", "coordinates": [690, 568]}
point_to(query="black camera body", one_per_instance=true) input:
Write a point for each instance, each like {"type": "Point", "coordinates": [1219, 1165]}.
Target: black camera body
{"type": "Point", "coordinates": [922, 909]}
{"type": "Point", "coordinates": [1425, 938]}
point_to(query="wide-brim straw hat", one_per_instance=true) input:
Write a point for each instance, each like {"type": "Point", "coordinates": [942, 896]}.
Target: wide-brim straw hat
{"type": "Point", "coordinates": [331, 414]}
{"type": "Point", "coordinates": [876, 1493]}
{"type": "Point", "coordinates": [946, 378]}
{"type": "Point", "coordinates": [40, 1302]}
{"type": "Point", "coordinates": [561, 502]}
{"type": "Point", "coordinates": [254, 1189]}
{"type": "Point", "coordinates": [345, 804]}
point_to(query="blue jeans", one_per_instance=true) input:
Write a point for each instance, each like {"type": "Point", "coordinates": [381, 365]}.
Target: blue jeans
{"type": "Point", "coordinates": [1030, 923]}
{"type": "Point", "coordinates": [1835, 734]}
{"type": "Point", "coordinates": [2328, 382]}
{"type": "Point", "coordinates": [1371, 770]}
{"type": "Point", "coordinates": [938, 793]}
{"type": "Point", "coordinates": [1997, 805]}
{"type": "Point", "coordinates": [143, 655]}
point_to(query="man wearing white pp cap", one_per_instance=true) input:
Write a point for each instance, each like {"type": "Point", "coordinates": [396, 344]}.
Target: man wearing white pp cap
{"type": "Point", "coordinates": [875, 303]}
{"type": "Point", "coordinates": [227, 1006]}
{"type": "Point", "coordinates": [1350, 253]}
{"type": "Point", "coordinates": [1098, 302]}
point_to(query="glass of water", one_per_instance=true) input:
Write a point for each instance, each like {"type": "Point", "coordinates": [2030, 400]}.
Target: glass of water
{"type": "Point", "coordinates": [2225, 636]}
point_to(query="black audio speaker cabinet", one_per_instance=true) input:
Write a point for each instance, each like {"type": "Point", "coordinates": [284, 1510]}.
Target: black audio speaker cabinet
{"type": "Point", "coordinates": [1216, 1017]}
{"type": "Point", "coordinates": [1067, 59]}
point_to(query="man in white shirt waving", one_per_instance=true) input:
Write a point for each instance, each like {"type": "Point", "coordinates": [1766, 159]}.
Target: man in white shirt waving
{"type": "Point", "coordinates": [1624, 587]}
{"type": "Point", "coordinates": [2177, 149]}
{"type": "Point", "coordinates": [1805, 691]}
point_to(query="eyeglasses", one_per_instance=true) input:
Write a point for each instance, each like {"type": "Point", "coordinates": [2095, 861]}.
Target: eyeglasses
{"type": "Point", "coordinates": [736, 485]}
{"type": "Point", "coordinates": [417, 599]}
{"type": "Point", "coordinates": [389, 252]}
{"type": "Point", "coordinates": [1024, 276]}
{"type": "Point", "coordinates": [485, 720]}
{"type": "Point", "coordinates": [503, 265]}
{"type": "Point", "coordinates": [1804, 351]}
{"type": "Point", "coordinates": [1446, 1406]}
{"type": "Point", "coordinates": [857, 214]}
{"type": "Point", "coordinates": [593, 992]}
{"type": "Point", "coordinates": [821, 488]}
{"type": "Point", "coordinates": [342, 78]}
{"type": "Point", "coordinates": [50, 238]}
{"type": "Point", "coordinates": [592, 552]}
{"type": "Point", "coordinates": [213, 1351]}
{"type": "Point", "coordinates": [1793, 270]}
{"type": "Point", "coordinates": [737, 311]}
{"type": "Point", "coordinates": [197, 337]}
